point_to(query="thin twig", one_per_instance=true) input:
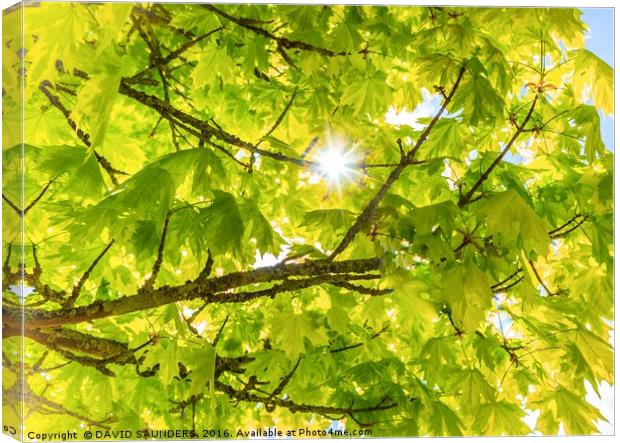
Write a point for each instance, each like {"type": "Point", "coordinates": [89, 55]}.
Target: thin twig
{"type": "Point", "coordinates": [148, 284]}
{"type": "Point", "coordinates": [75, 292]}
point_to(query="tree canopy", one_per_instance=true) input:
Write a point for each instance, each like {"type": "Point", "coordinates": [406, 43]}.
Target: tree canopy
{"type": "Point", "coordinates": [225, 229]}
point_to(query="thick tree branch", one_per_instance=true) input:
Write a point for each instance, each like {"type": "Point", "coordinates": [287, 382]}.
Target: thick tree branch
{"type": "Point", "coordinates": [75, 346]}
{"type": "Point", "coordinates": [293, 285]}
{"type": "Point", "coordinates": [33, 279]}
{"type": "Point", "coordinates": [104, 349]}
{"type": "Point", "coordinates": [361, 289]}
{"type": "Point", "coordinates": [214, 290]}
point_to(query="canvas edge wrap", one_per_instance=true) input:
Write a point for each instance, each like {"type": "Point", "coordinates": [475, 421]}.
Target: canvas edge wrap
{"type": "Point", "coordinates": [12, 221]}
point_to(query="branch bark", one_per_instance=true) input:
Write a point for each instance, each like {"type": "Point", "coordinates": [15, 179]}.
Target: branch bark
{"type": "Point", "coordinates": [212, 290]}
{"type": "Point", "coordinates": [282, 42]}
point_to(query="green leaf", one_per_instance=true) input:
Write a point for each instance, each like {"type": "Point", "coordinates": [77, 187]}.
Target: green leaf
{"type": "Point", "coordinates": [328, 223]}
{"type": "Point", "coordinates": [87, 179]}
{"type": "Point", "coordinates": [201, 362]}
{"type": "Point", "coordinates": [214, 64]}
{"type": "Point", "coordinates": [436, 353]}
{"type": "Point", "coordinates": [447, 139]}
{"type": "Point", "coordinates": [595, 76]}
{"type": "Point", "coordinates": [208, 168]}
{"type": "Point", "coordinates": [290, 330]}
{"type": "Point", "coordinates": [59, 29]}
{"type": "Point", "coordinates": [443, 421]}
{"type": "Point", "coordinates": [512, 219]}
{"type": "Point", "coordinates": [596, 352]}
{"type": "Point", "coordinates": [346, 37]}
{"type": "Point", "coordinates": [477, 97]}
{"type": "Point", "coordinates": [267, 240]}
{"type": "Point", "coordinates": [473, 387]}
{"type": "Point", "coordinates": [466, 291]}
{"type": "Point", "coordinates": [561, 405]}
{"type": "Point", "coordinates": [334, 218]}
{"type": "Point", "coordinates": [427, 218]}
{"type": "Point", "coordinates": [223, 224]}
{"type": "Point", "coordinates": [98, 96]}
{"type": "Point", "coordinates": [370, 95]}
{"type": "Point", "coordinates": [164, 354]}
{"type": "Point", "coordinates": [587, 118]}
{"type": "Point", "coordinates": [500, 418]}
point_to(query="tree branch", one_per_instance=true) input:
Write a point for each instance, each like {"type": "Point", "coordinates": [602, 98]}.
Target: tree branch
{"type": "Point", "coordinates": [75, 292]}
{"type": "Point", "coordinates": [38, 197]}
{"type": "Point", "coordinates": [212, 290]}
{"type": "Point", "coordinates": [361, 289]}
{"type": "Point", "coordinates": [148, 284]}
{"type": "Point", "coordinates": [12, 205]}
{"type": "Point", "coordinates": [350, 411]}
{"type": "Point", "coordinates": [206, 271]}
{"type": "Point", "coordinates": [32, 203]}
{"type": "Point", "coordinates": [467, 198]}
{"type": "Point", "coordinates": [281, 116]}
{"type": "Point", "coordinates": [357, 345]}
{"type": "Point", "coordinates": [219, 332]}
{"type": "Point", "coordinates": [282, 42]}
{"type": "Point", "coordinates": [556, 233]}
{"type": "Point", "coordinates": [539, 279]}
{"type": "Point", "coordinates": [204, 131]}
{"type": "Point", "coordinates": [502, 286]}
{"type": "Point", "coordinates": [496, 286]}
{"type": "Point", "coordinates": [83, 136]}
{"type": "Point", "coordinates": [292, 285]}
{"type": "Point", "coordinates": [505, 288]}
{"type": "Point", "coordinates": [278, 390]}
{"type": "Point", "coordinates": [367, 213]}
{"type": "Point", "coordinates": [104, 349]}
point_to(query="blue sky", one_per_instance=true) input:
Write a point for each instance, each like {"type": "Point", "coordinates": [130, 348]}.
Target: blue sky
{"type": "Point", "coordinates": [600, 40]}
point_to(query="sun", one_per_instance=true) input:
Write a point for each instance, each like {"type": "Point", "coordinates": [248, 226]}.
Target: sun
{"type": "Point", "coordinates": [336, 164]}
